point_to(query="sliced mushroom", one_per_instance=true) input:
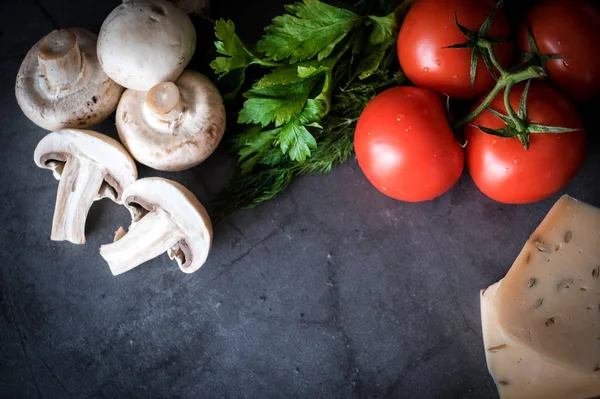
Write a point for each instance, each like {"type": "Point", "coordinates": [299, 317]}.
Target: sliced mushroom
{"type": "Point", "coordinates": [89, 167]}
{"type": "Point", "coordinates": [61, 84]}
{"type": "Point", "coordinates": [166, 217]}
{"type": "Point", "coordinates": [173, 126]}
{"type": "Point", "coordinates": [145, 42]}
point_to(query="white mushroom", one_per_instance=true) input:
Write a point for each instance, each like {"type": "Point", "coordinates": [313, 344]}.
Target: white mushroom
{"type": "Point", "coordinates": [173, 126]}
{"type": "Point", "coordinates": [146, 42]}
{"type": "Point", "coordinates": [166, 217]}
{"type": "Point", "coordinates": [198, 7]}
{"type": "Point", "coordinates": [89, 166]}
{"type": "Point", "coordinates": [61, 84]}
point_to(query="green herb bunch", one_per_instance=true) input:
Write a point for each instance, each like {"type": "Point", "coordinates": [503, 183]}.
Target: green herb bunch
{"type": "Point", "coordinates": [323, 65]}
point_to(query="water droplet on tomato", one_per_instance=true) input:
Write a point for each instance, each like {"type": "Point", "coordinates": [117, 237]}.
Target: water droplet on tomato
{"type": "Point", "coordinates": [445, 26]}
{"type": "Point", "coordinates": [505, 170]}
{"type": "Point", "coordinates": [368, 133]}
{"type": "Point", "coordinates": [408, 128]}
{"type": "Point", "coordinates": [408, 96]}
{"type": "Point", "coordinates": [384, 189]}
{"type": "Point", "coordinates": [559, 43]}
{"type": "Point", "coordinates": [425, 69]}
{"type": "Point", "coordinates": [454, 76]}
{"type": "Point", "coordinates": [494, 142]}
{"type": "Point", "coordinates": [437, 62]}
{"type": "Point", "coordinates": [516, 161]}
{"type": "Point", "coordinates": [566, 63]}
{"type": "Point", "coordinates": [400, 117]}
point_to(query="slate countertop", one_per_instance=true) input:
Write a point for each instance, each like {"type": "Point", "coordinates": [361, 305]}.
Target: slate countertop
{"type": "Point", "coordinates": [331, 290]}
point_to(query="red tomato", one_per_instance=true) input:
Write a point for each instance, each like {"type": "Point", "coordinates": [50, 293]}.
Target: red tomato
{"type": "Point", "coordinates": [570, 29]}
{"type": "Point", "coordinates": [505, 171]}
{"type": "Point", "coordinates": [429, 27]}
{"type": "Point", "coordinates": [405, 147]}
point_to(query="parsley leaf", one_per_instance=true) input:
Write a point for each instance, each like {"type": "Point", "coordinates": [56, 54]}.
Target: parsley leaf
{"type": "Point", "coordinates": [296, 141]}
{"type": "Point", "coordinates": [295, 112]}
{"type": "Point", "coordinates": [254, 142]}
{"type": "Point", "coordinates": [381, 40]}
{"type": "Point", "coordinates": [290, 73]}
{"type": "Point", "coordinates": [372, 58]}
{"type": "Point", "coordinates": [312, 112]}
{"type": "Point", "coordinates": [230, 45]}
{"type": "Point", "coordinates": [384, 28]}
{"type": "Point", "coordinates": [277, 102]}
{"type": "Point", "coordinates": [311, 28]}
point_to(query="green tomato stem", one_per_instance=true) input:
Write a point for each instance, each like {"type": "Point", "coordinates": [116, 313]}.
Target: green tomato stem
{"type": "Point", "coordinates": [481, 107]}
{"type": "Point", "coordinates": [513, 78]}
{"type": "Point", "coordinates": [519, 125]}
{"type": "Point", "coordinates": [492, 54]}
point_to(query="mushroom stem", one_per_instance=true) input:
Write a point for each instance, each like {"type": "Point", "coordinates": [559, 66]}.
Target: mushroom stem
{"type": "Point", "coordinates": [78, 187]}
{"type": "Point", "coordinates": [163, 109]}
{"type": "Point", "coordinates": [154, 234]}
{"type": "Point", "coordinates": [60, 59]}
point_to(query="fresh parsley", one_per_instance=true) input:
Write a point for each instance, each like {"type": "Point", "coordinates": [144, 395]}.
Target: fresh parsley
{"type": "Point", "coordinates": [323, 65]}
{"type": "Point", "coordinates": [311, 28]}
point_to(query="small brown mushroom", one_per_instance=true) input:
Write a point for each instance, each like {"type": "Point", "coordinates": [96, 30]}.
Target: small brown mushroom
{"type": "Point", "coordinates": [89, 167]}
{"type": "Point", "coordinates": [145, 42]}
{"type": "Point", "coordinates": [173, 126]}
{"type": "Point", "coordinates": [61, 84]}
{"type": "Point", "coordinates": [166, 217]}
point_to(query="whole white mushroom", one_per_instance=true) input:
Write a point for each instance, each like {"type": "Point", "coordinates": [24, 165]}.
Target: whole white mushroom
{"type": "Point", "coordinates": [173, 126]}
{"type": "Point", "coordinates": [60, 83]}
{"type": "Point", "coordinates": [145, 42]}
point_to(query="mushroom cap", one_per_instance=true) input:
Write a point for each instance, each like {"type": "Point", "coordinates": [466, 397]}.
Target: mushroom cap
{"type": "Point", "coordinates": [197, 134]}
{"type": "Point", "coordinates": [119, 167]}
{"type": "Point", "coordinates": [91, 100]}
{"type": "Point", "coordinates": [184, 209]}
{"type": "Point", "coordinates": [146, 42]}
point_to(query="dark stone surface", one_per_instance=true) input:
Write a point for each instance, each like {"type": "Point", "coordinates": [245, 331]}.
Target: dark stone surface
{"type": "Point", "coordinates": [330, 291]}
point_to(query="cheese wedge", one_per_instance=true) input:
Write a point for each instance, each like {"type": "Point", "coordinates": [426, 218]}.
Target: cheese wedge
{"type": "Point", "coordinates": [549, 300]}
{"type": "Point", "coordinates": [520, 373]}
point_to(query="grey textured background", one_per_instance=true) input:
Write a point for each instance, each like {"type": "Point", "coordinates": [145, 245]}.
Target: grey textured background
{"type": "Point", "coordinates": [330, 291]}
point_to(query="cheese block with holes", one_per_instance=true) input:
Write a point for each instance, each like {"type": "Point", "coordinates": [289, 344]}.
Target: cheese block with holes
{"type": "Point", "coordinates": [520, 373]}
{"type": "Point", "coordinates": [549, 300]}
